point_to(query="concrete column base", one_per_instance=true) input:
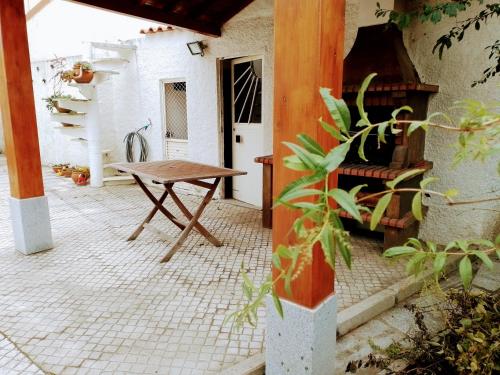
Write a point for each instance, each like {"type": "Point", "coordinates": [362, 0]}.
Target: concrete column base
{"type": "Point", "coordinates": [303, 343]}
{"type": "Point", "coordinates": [31, 224]}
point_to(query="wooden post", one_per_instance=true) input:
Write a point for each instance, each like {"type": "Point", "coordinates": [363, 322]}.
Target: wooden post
{"type": "Point", "coordinates": [29, 208]}
{"type": "Point", "coordinates": [309, 48]}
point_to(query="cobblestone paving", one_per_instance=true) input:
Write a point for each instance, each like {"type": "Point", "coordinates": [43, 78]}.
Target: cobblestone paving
{"type": "Point", "coordinates": [97, 304]}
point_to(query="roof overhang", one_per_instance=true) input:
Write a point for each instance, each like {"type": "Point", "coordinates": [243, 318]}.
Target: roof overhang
{"type": "Point", "coordinates": [202, 16]}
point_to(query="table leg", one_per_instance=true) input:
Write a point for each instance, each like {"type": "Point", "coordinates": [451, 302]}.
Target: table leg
{"type": "Point", "coordinates": [148, 218]}
{"type": "Point", "coordinates": [193, 221]}
{"type": "Point", "coordinates": [204, 231]}
{"type": "Point", "coordinates": [159, 206]}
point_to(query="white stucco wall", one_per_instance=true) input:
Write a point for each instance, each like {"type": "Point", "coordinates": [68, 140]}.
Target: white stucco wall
{"type": "Point", "coordinates": [164, 56]}
{"type": "Point", "coordinates": [461, 65]}
{"type": "Point", "coordinates": [133, 97]}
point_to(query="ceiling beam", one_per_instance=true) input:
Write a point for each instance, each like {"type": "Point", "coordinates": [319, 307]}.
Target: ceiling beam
{"type": "Point", "coordinates": [132, 8]}
{"type": "Point", "coordinates": [36, 9]}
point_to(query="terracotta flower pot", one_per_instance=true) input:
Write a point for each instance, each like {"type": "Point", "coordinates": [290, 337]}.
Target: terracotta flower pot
{"type": "Point", "coordinates": [60, 109]}
{"type": "Point", "coordinates": [77, 176]}
{"type": "Point", "coordinates": [67, 172]}
{"type": "Point", "coordinates": [85, 77]}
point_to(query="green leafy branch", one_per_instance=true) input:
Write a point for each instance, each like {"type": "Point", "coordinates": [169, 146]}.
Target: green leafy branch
{"type": "Point", "coordinates": [320, 207]}
{"type": "Point", "coordinates": [435, 13]}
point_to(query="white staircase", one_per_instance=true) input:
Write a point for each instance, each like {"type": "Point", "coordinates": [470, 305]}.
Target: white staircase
{"type": "Point", "coordinates": [82, 123]}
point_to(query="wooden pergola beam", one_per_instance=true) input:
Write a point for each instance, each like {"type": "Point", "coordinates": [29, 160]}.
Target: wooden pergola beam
{"type": "Point", "coordinates": [37, 9]}
{"type": "Point", "coordinates": [29, 208]}
{"type": "Point", "coordinates": [133, 8]}
{"type": "Point", "coordinates": [18, 104]}
{"type": "Point", "coordinates": [309, 43]}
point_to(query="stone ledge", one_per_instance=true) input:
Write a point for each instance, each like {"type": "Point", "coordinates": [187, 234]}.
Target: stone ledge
{"type": "Point", "coordinates": [253, 365]}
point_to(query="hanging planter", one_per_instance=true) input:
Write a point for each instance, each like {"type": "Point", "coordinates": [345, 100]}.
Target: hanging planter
{"type": "Point", "coordinates": [82, 72]}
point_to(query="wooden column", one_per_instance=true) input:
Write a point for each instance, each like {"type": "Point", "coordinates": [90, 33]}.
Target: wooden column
{"type": "Point", "coordinates": [17, 103]}
{"type": "Point", "coordinates": [309, 48]}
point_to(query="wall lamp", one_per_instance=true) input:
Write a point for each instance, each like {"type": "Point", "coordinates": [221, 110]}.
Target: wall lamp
{"type": "Point", "coordinates": [196, 48]}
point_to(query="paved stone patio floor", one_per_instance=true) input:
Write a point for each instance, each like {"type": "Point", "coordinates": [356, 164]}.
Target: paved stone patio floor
{"type": "Point", "coordinates": [97, 304]}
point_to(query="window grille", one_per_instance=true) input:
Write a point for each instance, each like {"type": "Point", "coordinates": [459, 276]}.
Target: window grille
{"type": "Point", "coordinates": [176, 110]}
{"type": "Point", "coordinates": [247, 89]}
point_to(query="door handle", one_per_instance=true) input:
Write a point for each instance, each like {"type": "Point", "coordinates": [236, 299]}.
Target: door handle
{"type": "Point", "coordinates": [238, 138]}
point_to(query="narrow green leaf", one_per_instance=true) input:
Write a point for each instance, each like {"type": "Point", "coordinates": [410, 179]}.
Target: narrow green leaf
{"type": "Point", "coordinates": [328, 245]}
{"type": "Point", "coordinates": [311, 145]}
{"type": "Point", "coordinates": [298, 193]}
{"type": "Point", "coordinates": [427, 181]}
{"type": "Point", "coordinates": [332, 131]}
{"type": "Point", "coordinates": [277, 304]}
{"type": "Point", "coordinates": [439, 262]}
{"type": "Point", "coordinates": [379, 210]}
{"type": "Point", "coordinates": [308, 206]}
{"type": "Point", "coordinates": [381, 131]}
{"type": "Point", "coordinates": [335, 157]}
{"type": "Point", "coordinates": [247, 281]}
{"type": "Point", "coordinates": [484, 258]}
{"type": "Point", "coordinates": [305, 156]}
{"type": "Point", "coordinates": [356, 189]}
{"type": "Point", "coordinates": [411, 173]}
{"type": "Point", "coordinates": [399, 250]}
{"type": "Point", "coordinates": [347, 202]}
{"type": "Point", "coordinates": [416, 206]}
{"type": "Point", "coordinates": [284, 252]}
{"type": "Point", "coordinates": [248, 292]}
{"type": "Point", "coordinates": [397, 111]}
{"type": "Point", "coordinates": [465, 270]}
{"type": "Point", "coordinates": [414, 126]}
{"type": "Point", "coordinates": [293, 162]}
{"type": "Point", "coordinates": [414, 265]}
{"type": "Point", "coordinates": [338, 110]}
{"type": "Point", "coordinates": [431, 246]}
{"type": "Point", "coordinates": [361, 96]}
{"type": "Point", "coordinates": [303, 182]}
{"type": "Point", "coordinates": [346, 254]}
{"type": "Point", "coordinates": [276, 260]}
{"type": "Point", "coordinates": [414, 242]}
{"type": "Point", "coordinates": [361, 148]}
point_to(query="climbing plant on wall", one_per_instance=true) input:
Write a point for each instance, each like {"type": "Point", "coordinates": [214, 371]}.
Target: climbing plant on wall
{"type": "Point", "coordinates": [435, 12]}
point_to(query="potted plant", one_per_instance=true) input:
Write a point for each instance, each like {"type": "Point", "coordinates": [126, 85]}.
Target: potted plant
{"type": "Point", "coordinates": [58, 167]}
{"type": "Point", "coordinates": [66, 171]}
{"type": "Point", "coordinates": [80, 175]}
{"type": "Point", "coordinates": [82, 72]}
{"type": "Point", "coordinates": [52, 102]}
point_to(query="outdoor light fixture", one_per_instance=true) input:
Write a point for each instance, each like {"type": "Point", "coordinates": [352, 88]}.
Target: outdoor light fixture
{"type": "Point", "coordinates": [196, 48]}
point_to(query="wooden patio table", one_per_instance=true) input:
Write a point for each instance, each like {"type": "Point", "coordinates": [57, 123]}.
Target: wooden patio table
{"type": "Point", "coordinates": [167, 173]}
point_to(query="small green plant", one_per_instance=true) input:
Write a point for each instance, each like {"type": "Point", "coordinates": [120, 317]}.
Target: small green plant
{"type": "Point", "coordinates": [468, 342]}
{"type": "Point", "coordinates": [52, 100]}
{"type": "Point", "coordinates": [435, 11]}
{"type": "Point", "coordinates": [85, 65]}
{"type": "Point", "coordinates": [319, 220]}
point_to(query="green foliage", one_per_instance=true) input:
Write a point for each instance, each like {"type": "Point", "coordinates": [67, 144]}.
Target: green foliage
{"type": "Point", "coordinates": [52, 100]}
{"type": "Point", "coordinates": [319, 207]}
{"type": "Point", "coordinates": [427, 255]}
{"type": "Point", "coordinates": [434, 12]}
{"type": "Point", "coordinates": [468, 343]}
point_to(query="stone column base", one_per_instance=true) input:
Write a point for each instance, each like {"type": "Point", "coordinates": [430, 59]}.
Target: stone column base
{"type": "Point", "coordinates": [303, 343]}
{"type": "Point", "coordinates": [31, 224]}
